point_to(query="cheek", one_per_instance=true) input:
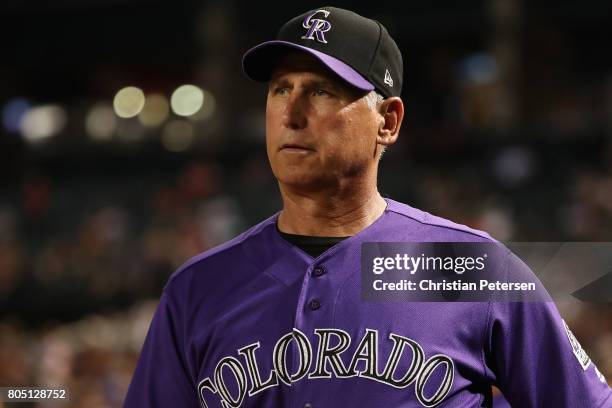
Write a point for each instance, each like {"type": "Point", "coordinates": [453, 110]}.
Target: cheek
{"type": "Point", "coordinates": [357, 129]}
{"type": "Point", "coordinates": [272, 124]}
{"type": "Point", "coordinates": [271, 135]}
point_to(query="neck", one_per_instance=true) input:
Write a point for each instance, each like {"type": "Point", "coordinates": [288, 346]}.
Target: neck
{"type": "Point", "coordinates": [339, 213]}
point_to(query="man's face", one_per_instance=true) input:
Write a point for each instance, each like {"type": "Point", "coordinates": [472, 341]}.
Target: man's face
{"type": "Point", "coordinates": [319, 131]}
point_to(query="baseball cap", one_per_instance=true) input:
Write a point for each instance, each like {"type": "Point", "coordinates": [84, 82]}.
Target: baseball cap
{"type": "Point", "coordinates": [357, 49]}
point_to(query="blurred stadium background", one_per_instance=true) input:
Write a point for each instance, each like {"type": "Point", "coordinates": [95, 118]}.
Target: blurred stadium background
{"type": "Point", "coordinates": [130, 141]}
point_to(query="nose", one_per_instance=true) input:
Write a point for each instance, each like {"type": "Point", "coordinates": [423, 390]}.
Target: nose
{"type": "Point", "coordinates": [294, 116]}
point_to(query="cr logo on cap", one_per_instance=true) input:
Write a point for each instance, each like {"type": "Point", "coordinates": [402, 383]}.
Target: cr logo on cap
{"type": "Point", "coordinates": [316, 26]}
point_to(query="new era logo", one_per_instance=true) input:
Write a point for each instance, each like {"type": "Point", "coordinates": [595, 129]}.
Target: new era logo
{"type": "Point", "coordinates": [388, 80]}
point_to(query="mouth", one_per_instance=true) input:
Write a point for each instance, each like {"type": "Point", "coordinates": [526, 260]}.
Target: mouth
{"type": "Point", "coordinates": [295, 147]}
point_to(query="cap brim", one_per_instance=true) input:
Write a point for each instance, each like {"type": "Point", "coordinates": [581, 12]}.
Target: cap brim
{"type": "Point", "coordinates": [258, 62]}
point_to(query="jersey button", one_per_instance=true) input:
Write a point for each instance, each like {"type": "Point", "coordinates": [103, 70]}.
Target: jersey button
{"type": "Point", "coordinates": [319, 271]}
{"type": "Point", "coordinates": [314, 304]}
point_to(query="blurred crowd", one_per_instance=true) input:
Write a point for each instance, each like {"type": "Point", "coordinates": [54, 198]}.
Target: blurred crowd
{"type": "Point", "coordinates": [92, 358]}
{"type": "Point", "coordinates": [79, 283]}
{"type": "Point", "coordinates": [66, 252]}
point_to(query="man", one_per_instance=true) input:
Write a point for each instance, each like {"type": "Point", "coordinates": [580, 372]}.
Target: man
{"type": "Point", "coordinates": [275, 317]}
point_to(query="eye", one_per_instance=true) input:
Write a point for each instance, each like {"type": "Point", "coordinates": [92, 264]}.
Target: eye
{"type": "Point", "coordinates": [321, 92]}
{"type": "Point", "coordinates": [280, 90]}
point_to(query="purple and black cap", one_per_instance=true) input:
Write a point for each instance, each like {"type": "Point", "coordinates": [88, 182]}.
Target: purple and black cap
{"type": "Point", "coordinates": [357, 49]}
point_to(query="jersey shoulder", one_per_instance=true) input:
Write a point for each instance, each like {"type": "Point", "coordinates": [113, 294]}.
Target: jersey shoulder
{"type": "Point", "coordinates": [431, 227]}
{"type": "Point", "coordinates": [229, 248]}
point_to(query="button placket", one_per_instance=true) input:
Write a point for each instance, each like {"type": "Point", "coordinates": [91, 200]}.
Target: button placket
{"type": "Point", "coordinates": [314, 304]}
{"type": "Point", "coordinates": [319, 271]}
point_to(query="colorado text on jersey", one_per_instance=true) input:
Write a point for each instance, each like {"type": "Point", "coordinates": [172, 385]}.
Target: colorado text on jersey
{"type": "Point", "coordinates": [419, 372]}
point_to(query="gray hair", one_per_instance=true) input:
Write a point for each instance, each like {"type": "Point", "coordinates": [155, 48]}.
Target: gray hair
{"type": "Point", "coordinates": [373, 100]}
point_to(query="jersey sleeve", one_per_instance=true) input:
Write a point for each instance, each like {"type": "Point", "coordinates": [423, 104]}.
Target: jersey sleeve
{"type": "Point", "coordinates": [535, 359]}
{"type": "Point", "coordinates": [162, 377]}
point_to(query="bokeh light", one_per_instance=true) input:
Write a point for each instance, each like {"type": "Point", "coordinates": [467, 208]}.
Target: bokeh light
{"type": "Point", "coordinates": [208, 107]}
{"type": "Point", "coordinates": [186, 100]}
{"type": "Point", "coordinates": [480, 68]}
{"type": "Point", "coordinates": [101, 122]}
{"type": "Point", "coordinates": [155, 111]}
{"type": "Point", "coordinates": [128, 102]}
{"type": "Point", "coordinates": [42, 122]}
{"type": "Point", "coordinates": [13, 113]}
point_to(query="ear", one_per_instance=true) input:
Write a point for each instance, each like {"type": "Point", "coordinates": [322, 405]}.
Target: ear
{"type": "Point", "coordinates": [392, 114]}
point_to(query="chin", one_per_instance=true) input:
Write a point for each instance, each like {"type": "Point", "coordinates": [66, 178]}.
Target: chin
{"type": "Point", "coordinates": [300, 179]}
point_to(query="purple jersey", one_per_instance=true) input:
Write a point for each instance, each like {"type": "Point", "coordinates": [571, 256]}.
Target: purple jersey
{"type": "Point", "coordinates": [257, 322]}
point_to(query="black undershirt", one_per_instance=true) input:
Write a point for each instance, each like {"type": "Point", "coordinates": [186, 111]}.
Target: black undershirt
{"type": "Point", "coordinates": [313, 246]}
